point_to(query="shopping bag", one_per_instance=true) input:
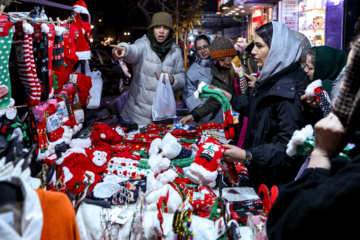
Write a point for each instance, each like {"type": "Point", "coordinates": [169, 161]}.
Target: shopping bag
{"type": "Point", "coordinates": [164, 106]}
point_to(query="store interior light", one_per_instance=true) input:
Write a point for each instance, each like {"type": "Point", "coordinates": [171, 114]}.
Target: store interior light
{"type": "Point", "coordinates": [242, 10]}
{"type": "Point", "coordinates": [241, 6]}
{"type": "Point", "coordinates": [225, 7]}
{"type": "Point", "coordinates": [218, 12]}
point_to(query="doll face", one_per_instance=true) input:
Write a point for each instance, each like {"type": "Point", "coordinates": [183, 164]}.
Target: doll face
{"type": "Point", "coordinates": [161, 33]}
{"type": "Point", "coordinates": [260, 51]}
{"type": "Point", "coordinates": [202, 48]}
{"type": "Point", "coordinates": [309, 68]}
{"type": "Point", "coordinates": [99, 158]}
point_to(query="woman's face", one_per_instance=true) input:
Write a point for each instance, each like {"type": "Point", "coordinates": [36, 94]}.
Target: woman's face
{"type": "Point", "coordinates": [161, 33]}
{"type": "Point", "coordinates": [260, 51]}
{"type": "Point", "coordinates": [202, 48]}
{"type": "Point", "coordinates": [224, 62]}
{"type": "Point", "coordinates": [309, 68]}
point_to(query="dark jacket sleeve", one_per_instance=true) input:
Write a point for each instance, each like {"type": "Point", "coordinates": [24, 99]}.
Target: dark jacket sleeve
{"type": "Point", "coordinates": [210, 106]}
{"type": "Point", "coordinates": [240, 103]}
{"type": "Point", "coordinates": [318, 205]}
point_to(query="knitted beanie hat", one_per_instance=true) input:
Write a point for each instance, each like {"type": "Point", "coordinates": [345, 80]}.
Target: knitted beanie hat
{"type": "Point", "coordinates": [161, 19]}
{"type": "Point", "coordinates": [221, 47]}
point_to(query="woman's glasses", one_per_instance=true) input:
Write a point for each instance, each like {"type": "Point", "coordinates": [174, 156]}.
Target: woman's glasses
{"type": "Point", "coordinates": [202, 48]}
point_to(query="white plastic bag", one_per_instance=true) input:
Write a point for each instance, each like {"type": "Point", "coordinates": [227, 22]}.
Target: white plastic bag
{"type": "Point", "coordinates": [164, 106]}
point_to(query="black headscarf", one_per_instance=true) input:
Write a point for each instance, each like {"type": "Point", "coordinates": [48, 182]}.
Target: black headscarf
{"type": "Point", "coordinates": [163, 48]}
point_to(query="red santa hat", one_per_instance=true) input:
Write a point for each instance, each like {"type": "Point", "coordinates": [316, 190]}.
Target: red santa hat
{"type": "Point", "coordinates": [105, 133]}
{"type": "Point", "coordinates": [80, 176]}
{"type": "Point", "coordinates": [80, 7]}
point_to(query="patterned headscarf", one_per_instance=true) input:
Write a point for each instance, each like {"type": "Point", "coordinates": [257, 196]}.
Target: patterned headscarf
{"type": "Point", "coordinates": [347, 106]}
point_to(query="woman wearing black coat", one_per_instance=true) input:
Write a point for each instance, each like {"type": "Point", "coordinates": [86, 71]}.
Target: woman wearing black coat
{"type": "Point", "coordinates": [323, 202]}
{"type": "Point", "coordinates": [273, 107]}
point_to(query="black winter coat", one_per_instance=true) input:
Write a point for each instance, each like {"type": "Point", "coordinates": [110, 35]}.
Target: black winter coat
{"type": "Point", "coordinates": [319, 205]}
{"type": "Point", "coordinates": [274, 111]}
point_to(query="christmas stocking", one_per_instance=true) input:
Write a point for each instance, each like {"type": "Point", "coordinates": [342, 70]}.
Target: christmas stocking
{"type": "Point", "coordinates": [26, 63]}
{"type": "Point", "coordinates": [204, 168]}
{"type": "Point", "coordinates": [70, 57]}
{"type": "Point", "coordinates": [51, 39]}
{"type": "Point", "coordinates": [5, 40]}
{"type": "Point", "coordinates": [58, 60]}
{"type": "Point", "coordinates": [314, 90]}
{"type": "Point", "coordinates": [41, 57]}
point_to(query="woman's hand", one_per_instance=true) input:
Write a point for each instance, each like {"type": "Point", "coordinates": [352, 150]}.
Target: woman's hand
{"type": "Point", "coordinates": [329, 141]}
{"type": "Point", "coordinates": [118, 51]}
{"type": "Point", "coordinates": [234, 153]}
{"type": "Point", "coordinates": [227, 94]}
{"type": "Point", "coordinates": [311, 101]}
{"type": "Point", "coordinates": [251, 80]}
{"type": "Point", "coordinates": [171, 78]}
{"type": "Point", "coordinates": [187, 120]}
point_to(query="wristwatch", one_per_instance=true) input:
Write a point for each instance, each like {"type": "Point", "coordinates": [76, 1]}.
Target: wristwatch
{"type": "Point", "coordinates": [248, 156]}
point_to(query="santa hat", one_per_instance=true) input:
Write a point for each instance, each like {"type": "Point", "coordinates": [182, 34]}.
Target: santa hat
{"type": "Point", "coordinates": [80, 7]}
{"type": "Point", "coordinates": [82, 47]}
{"type": "Point", "coordinates": [80, 176]}
{"type": "Point", "coordinates": [105, 133]}
{"type": "Point", "coordinates": [204, 168]}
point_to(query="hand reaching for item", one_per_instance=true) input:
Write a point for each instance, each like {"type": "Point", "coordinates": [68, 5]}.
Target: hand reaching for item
{"type": "Point", "coordinates": [226, 94]}
{"type": "Point", "coordinates": [118, 51]}
{"type": "Point", "coordinates": [171, 78]}
{"type": "Point", "coordinates": [311, 101]}
{"type": "Point", "coordinates": [234, 153]}
{"type": "Point", "coordinates": [187, 120]}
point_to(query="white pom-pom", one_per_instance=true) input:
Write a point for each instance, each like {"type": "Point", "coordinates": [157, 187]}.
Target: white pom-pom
{"type": "Point", "coordinates": [44, 28]}
{"type": "Point", "coordinates": [200, 87]}
{"type": "Point", "coordinates": [59, 30]}
{"type": "Point", "coordinates": [28, 29]}
{"type": "Point", "coordinates": [312, 86]}
{"type": "Point", "coordinates": [172, 149]}
{"type": "Point", "coordinates": [102, 135]}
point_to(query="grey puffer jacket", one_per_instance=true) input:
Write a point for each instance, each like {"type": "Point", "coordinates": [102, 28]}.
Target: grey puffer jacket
{"type": "Point", "coordinates": [146, 64]}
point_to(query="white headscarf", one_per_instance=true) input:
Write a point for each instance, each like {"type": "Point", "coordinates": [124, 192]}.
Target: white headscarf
{"type": "Point", "coordinates": [285, 49]}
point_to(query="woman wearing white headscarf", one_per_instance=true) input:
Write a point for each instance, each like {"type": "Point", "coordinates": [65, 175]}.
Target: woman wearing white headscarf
{"type": "Point", "coordinates": [273, 107]}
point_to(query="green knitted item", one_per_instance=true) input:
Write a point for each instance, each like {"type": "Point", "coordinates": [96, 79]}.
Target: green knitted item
{"type": "Point", "coordinates": [186, 140]}
{"type": "Point", "coordinates": [185, 162]}
{"type": "Point", "coordinates": [308, 147]}
{"type": "Point", "coordinates": [143, 164]}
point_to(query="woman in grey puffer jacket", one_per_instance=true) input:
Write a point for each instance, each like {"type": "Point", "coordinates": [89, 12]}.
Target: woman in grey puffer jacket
{"type": "Point", "coordinates": [150, 55]}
